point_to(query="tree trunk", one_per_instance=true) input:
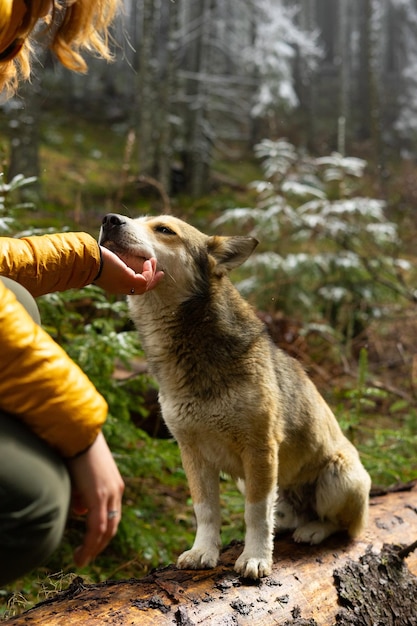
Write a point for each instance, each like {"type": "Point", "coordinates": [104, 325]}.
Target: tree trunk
{"type": "Point", "coordinates": [167, 45]}
{"type": "Point", "coordinates": [145, 104]}
{"type": "Point", "coordinates": [344, 76]}
{"type": "Point", "coordinates": [196, 153]}
{"type": "Point", "coordinates": [361, 582]}
{"type": "Point", "coordinates": [24, 151]}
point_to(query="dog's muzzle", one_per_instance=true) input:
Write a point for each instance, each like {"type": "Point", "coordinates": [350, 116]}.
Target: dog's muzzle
{"type": "Point", "coordinates": [112, 221]}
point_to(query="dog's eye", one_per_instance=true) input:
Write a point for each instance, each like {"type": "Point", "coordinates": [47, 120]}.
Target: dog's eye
{"type": "Point", "coordinates": [164, 230]}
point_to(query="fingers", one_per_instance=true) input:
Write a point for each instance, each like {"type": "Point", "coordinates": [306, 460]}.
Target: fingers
{"type": "Point", "coordinates": [98, 489]}
{"type": "Point", "coordinates": [120, 278]}
{"type": "Point", "coordinates": [149, 269]}
{"type": "Point", "coordinates": [150, 274]}
{"type": "Point", "coordinates": [101, 528]}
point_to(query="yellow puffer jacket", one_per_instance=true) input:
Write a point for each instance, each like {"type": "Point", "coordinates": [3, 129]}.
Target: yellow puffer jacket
{"type": "Point", "coordinates": [39, 383]}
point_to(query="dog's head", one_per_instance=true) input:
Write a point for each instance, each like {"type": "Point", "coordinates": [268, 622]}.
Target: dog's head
{"type": "Point", "coordinates": [184, 253]}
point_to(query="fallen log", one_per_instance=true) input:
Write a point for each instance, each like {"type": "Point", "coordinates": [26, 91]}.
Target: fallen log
{"type": "Point", "coordinates": [371, 580]}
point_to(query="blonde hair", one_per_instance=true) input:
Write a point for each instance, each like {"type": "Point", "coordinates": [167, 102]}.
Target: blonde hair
{"type": "Point", "coordinates": [73, 26]}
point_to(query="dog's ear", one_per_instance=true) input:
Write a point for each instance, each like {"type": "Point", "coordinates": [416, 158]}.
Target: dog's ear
{"type": "Point", "coordinates": [230, 252]}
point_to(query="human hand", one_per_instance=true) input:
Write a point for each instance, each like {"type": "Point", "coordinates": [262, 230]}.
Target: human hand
{"type": "Point", "coordinates": [118, 278]}
{"type": "Point", "coordinates": [97, 491]}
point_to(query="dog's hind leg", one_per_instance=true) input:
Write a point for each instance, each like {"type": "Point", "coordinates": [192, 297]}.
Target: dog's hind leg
{"type": "Point", "coordinates": [260, 497]}
{"type": "Point", "coordinates": [315, 532]}
{"type": "Point", "coordinates": [203, 480]}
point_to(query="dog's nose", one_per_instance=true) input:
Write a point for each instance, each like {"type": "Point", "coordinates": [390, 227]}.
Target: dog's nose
{"type": "Point", "coordinates": [112, 220]}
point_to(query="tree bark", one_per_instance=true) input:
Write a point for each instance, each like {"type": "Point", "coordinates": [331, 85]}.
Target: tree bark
{"type": "Point", "coordinates": [315, 585]}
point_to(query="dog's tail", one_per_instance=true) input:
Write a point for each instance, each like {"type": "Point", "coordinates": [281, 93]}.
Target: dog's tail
{"type": "Point", "coordinates": [359, 498]}
{"type": "Point", "coordinates": [360, 512]}
{"type": "Point", "coordinates": [342, 494]}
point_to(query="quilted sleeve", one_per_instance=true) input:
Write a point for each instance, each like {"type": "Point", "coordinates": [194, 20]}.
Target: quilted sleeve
{"type": "Point", "coordinates": [50, 263]}
{"type": "Point", "coordinates": [41, 385]}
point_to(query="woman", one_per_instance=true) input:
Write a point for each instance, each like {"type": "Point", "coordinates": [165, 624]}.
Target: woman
{"type": "Point", "coordinates": [52, 452]}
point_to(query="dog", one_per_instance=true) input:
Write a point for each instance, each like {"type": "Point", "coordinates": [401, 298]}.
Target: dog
{"type": "Point", "coordinates": [234, 401]}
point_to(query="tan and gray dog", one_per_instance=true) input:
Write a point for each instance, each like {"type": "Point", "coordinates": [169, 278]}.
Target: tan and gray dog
{"type": "Point", "coordinates": [233, 401]}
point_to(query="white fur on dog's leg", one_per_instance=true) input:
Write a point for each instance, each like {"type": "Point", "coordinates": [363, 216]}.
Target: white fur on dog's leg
{"type": "Point", "coordinates": [256, 558]}
{"type": "Point", "coordinates": [206, 548]}
{"type": "Point", "coordinates": [314, 532]}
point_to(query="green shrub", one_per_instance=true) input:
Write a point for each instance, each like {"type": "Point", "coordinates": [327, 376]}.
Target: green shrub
{"type": "Point", "coordinates": [327, 254]}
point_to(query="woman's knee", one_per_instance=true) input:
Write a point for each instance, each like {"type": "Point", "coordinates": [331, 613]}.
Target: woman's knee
{"type": "Point", "coordinates": [24, 297]}
{"type": "Point", "coordinates": [35, 495]}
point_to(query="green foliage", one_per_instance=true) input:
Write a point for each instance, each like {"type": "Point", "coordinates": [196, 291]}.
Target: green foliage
{"type": "Point", "coordinates": [94, 330]}
{"type": "Point", "coordinates": [390, 453]}
{"type": "Point", "coordinates": [327, 253]}
{"type": "Point", "coordinates": [91, 328]}
{"type": "Point", "coordinates": [10, 207]}
{"type": "Point", "coordinates": [387, 443]}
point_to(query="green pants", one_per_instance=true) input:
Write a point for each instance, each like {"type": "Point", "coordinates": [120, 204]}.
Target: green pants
{"type": "Point", "coordinates": [34, 491]}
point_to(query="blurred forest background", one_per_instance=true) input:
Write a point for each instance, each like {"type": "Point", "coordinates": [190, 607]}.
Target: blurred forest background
{"type": "Point", "coordinates": [294, 120]}
{"type": "Point", "coordinates": [193, 82]}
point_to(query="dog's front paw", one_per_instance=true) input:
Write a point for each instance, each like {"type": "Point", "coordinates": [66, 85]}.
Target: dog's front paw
{"type": "Point", "coordinates": [314, 532]}
{"type": "Point", "coordinates": [198, 559]}
{"type": "Point", "coordinates": [252, 567]}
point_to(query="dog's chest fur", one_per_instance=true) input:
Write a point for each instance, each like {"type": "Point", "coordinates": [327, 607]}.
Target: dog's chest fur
{"type": "Point", "coordinates": [210, 357]}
